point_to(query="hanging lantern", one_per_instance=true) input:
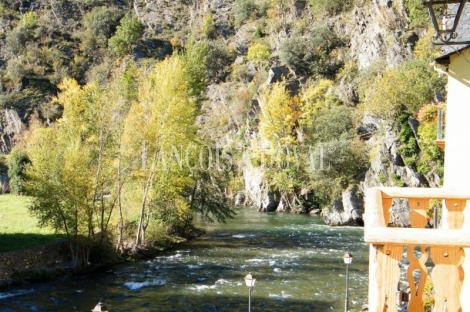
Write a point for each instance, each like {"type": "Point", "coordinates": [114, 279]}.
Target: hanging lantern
{"type": "Point", "coordinates": [445, 16]}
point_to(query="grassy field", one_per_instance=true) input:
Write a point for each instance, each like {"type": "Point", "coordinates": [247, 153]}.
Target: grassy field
{"type": "Point", "coordinates": [18, 229]}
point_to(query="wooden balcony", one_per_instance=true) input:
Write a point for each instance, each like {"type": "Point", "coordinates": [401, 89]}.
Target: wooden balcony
{"type": "Point", "coordinates": [436, 250]}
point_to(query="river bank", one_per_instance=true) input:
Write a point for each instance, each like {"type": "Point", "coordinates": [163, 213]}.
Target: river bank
{"type": "Point", "coordinates": [48, 261]}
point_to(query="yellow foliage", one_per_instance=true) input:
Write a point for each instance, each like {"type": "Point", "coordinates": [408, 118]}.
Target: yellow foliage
{"type": "Point", "coordinates": [279, 115]}
{"type": "Point", "coordinates": [272, 13]}
{"type": "Point", "coordinates": [258, 53]}
{"type": "Point", "coordinates": [315, 98]}
{"type": "Point", "coordinates": [424, 47]}
{"type": "Point", "coordinates": [163, 116]}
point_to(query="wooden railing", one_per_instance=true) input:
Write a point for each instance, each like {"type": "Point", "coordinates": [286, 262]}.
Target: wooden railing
{"type": "Point", "coordinates": [444, 247]}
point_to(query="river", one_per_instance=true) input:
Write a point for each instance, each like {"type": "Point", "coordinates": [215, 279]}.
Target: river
{"type": "Point", "coordinates": [296, 259]}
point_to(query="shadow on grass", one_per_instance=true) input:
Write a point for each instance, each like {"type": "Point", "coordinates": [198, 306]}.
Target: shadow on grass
{"type": "Point", "coordinates": [16, 241]}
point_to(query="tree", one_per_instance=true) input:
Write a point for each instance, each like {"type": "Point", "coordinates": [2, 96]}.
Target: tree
{"type": "Point", "coordinates": [279, 115]}
{"type": "Point", "coordinates": [343, 161]}
{"type": "Point", "coordinates": [29, 19]}
{"type": "Point", "coordinates": [122, 92]}
{"type": "Point", "coordinates": [102, 22]}
{"type": "Point", "coordinates": [162, 118]}
{"type": "Point", "coordinates": [405, 87]}
{"type": "Point", "coordinates": [279, 122]}
{"type": "Point", "coordinates": [17, 161]}
{"type": "Point", "coordinates": [70, 176]}
{"type": "Point", "coordinates": [127, 33]}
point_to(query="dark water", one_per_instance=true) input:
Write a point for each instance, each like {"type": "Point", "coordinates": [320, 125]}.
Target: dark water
{"type": "Point", "coordinates": [296, 259]}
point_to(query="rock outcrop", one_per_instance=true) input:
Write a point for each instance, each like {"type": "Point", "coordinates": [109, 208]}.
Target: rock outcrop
{"type": "Point", "coordinates": [10, 125]}
{"type": "Point", "coordinates": [347, 209]}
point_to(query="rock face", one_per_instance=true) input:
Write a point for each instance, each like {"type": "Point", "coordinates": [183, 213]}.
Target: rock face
{"type": "Point", "coordinates": [10, 124]}
{"type": "Point", "coordinates": [388, 169]}
{"type": "Point", "coordinates": [375, 33]}
{"type": "Point", "coordinates": [347, 209]}
{"type": "Point", "coordinates": [258, 193]}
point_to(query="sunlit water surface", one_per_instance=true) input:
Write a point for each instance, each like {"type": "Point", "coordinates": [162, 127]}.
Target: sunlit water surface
{"type": "Point", "coordinates": [296, 259]}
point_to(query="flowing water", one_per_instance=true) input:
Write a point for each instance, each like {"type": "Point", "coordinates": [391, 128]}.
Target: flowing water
{"type": "Point", "coordinates": [296, 259]}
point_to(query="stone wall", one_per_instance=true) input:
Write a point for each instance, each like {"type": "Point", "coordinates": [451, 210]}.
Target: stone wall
{"type": "Point", "coordinates": [32, 259]}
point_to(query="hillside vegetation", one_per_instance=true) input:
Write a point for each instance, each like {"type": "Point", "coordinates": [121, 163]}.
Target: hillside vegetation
{"type": "Point", "coordinates": [126, 118]}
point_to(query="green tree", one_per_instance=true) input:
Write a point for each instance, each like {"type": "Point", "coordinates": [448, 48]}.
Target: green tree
{"type": "Point", "coordinates": [336, 166]}
{"type": "Point", "coordinates": [127, 33]}
{"type": "Point", "coordinates": [217, 57]}
{"type": "Point", "coordinates": [310, 53]}
{"type": "Point", "coordinates": [102, 22]}
{"type": "Point", "coordinates": [17, 161]}
{"type": "Point", "coordinates": [243, 10]}
{"type": "Point", "coordinates": [195, 62]}
{"type": "Point", "coordinates": [417, 13]}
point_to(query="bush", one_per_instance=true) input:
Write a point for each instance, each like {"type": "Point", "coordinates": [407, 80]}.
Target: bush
{"type": "Point", "coordinates": [241, 72]}
{"type": "Point", "coordinates": [402, 88]}
{"type": "Point", "coordinates": [16, 70]}
{"type": "Point", "coordinates": [258, 53]}
{"type": "Point", "coordinates": [409, 148]}
{"type": "Point", "coordinates": [310, 54]}
{"type": "Point", "coordinates": [332, 124]}
{"type": "Point", "coordinates": [29, 19]}
{"type": "Point", "coordinates": [16, 40]}
{"type": "Point", "coordinates": [16, 164]}
{"type": "Point", "coordinates": [417, 13]}
{"type": "Point", "coordinates": [219, 58]}
{"type": "Point", "coordinates": [432, 157]}
{"type": "Point", "coordinates": [330, 7]}
{"type": "Point", "coordinates": [88, 4]}
{"type": "Point", "coordinates": [243, 10]}
{"type": "Point", "coordinates": [103, 21]}
{"type": "Point", "coordinates": [208, 27]}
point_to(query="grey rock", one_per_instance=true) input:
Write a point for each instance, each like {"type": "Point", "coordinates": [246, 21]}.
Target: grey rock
{"type": "Point", "coordinates": [347, 209]}
{"type": "Point", "coordinates": [283, 206]}
{"type": "Point", "coordinates": [270, 201]}
{"type": "Point", "coordinates": [240, 199]}
{"type": "Point", "coordinates": [10, 125]}
{"type": "Point", "coordinates": [277, 74]}
{"type": "Point", "coordinates": [370, 35]}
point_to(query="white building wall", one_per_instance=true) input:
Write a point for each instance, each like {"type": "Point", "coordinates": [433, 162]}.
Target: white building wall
{"type": "Point", "coordinates": [457, 132]}
{"type": "Point", "coordinates": [457, 148]}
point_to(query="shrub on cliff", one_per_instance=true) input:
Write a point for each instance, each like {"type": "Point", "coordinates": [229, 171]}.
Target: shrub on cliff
{"type": "Point", "coordinates": [127, 33]}
{"type": "Point", "coordinates": [406, 87]}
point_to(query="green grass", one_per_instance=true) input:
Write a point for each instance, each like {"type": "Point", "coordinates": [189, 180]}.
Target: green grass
{"type": "Point", "coordinates": [18, 229]}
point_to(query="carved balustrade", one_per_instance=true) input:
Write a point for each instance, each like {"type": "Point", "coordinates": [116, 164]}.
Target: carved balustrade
{"type": "Point", "coordinates": [438, 253]}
